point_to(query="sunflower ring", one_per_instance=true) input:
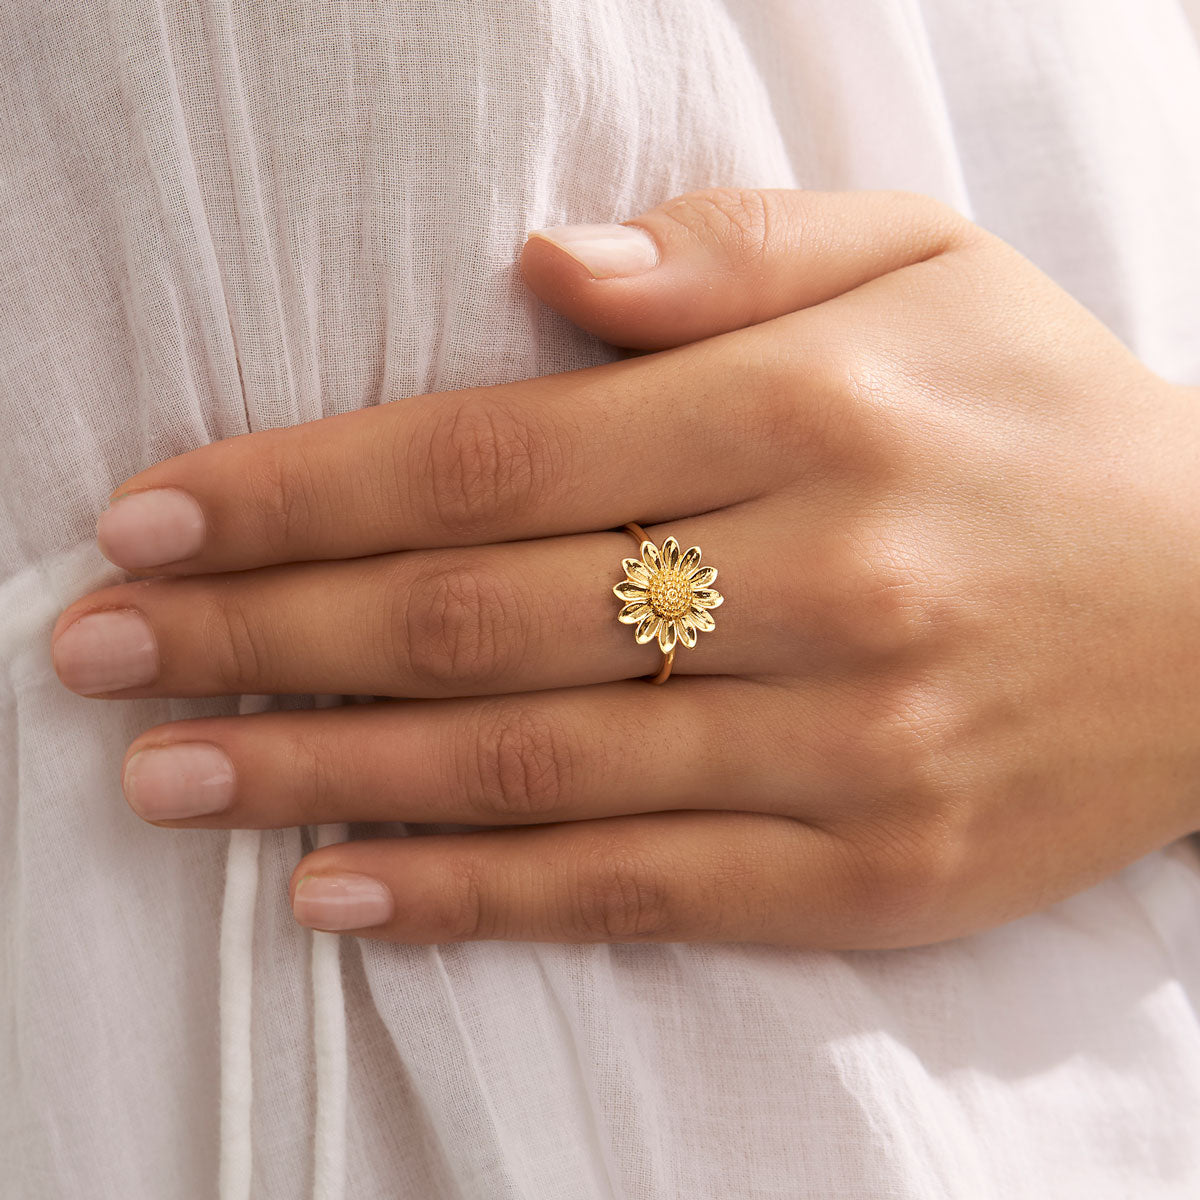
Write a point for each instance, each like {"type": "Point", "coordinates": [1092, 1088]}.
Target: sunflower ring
{"type": "Point", "coordinates": [667, 595]}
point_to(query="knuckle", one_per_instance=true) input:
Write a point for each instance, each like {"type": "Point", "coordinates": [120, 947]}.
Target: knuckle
{"type": "Point", "coordinates": [877, 605]}
{"type": "Point", "coordinates": [903, 880]}
{"type": "Point", "coordinates": [282, 496]}
{"type": "Point", "coordinates": [853, 388]}
{"type": "Point", "coordinates": [235, 644]}
{"type": "Point", "coordinates": [317, 775]}
{"type": "Point", "coordinates": [823, 397]}
{"type": "Point", "coordinates": [464, 629]}
{"type": "Point", "coordinates": [894, 748]}
{"type": "Point", "coordinates": [925, 213]}
{"type": "Point", "coordinates": [488, 464]}
{"type": "Point", "coordinates": [917, 202]}
{"type": "Point", "coordinates": [457, 909]}
{"type": "Point", "coordinates": [522, 766]}
{"type": "Point", "coordinates": [621, 897]}
{"type": "Point", "coordinates": [738, 220]}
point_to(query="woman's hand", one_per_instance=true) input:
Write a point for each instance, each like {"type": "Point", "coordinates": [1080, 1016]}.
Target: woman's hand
{"type": "Point", "coordinates": [954, 679]}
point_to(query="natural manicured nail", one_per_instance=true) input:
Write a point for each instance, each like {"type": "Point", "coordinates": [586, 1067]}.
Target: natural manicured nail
{"type": "Point", "coordinates": [605, 250]}
{"type": "Point", "coordinates": [151, 528]}
{"type": "Point", "coordinates": [337, 902]}
{"type": "Point", "coordinates": [106, 652]}
{"type": "Point", "coordinates": [188, 779]}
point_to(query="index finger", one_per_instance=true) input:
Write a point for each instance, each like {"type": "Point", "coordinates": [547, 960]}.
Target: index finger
{"type": "Point", "coordinates": [584, 450]}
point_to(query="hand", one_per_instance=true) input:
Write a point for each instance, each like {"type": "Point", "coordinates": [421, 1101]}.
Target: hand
{"type": "Point", "coordinates": [953, 681]}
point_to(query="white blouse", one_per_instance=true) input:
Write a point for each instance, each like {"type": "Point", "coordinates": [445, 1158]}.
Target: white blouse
{"type": "Point", "coordinates": [227, 215]}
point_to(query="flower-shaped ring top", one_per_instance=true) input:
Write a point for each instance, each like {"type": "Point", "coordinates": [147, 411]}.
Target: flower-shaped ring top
{"type": "Point", "coordinates": [667, 593]}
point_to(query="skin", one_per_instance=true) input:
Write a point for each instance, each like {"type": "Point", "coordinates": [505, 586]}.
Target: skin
{"type": "Point", "coordinates": [953, 680]}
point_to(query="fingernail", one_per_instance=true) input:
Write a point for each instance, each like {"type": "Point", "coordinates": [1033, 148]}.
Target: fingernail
{"type": "Point", "coordinates": [105, 652]}
{"type": "Point", "coordinates": [337, 902]}
{"type": "Point", "coordinates": [606, 250]}
{"type": "Point", "coordinates": [188, 779]}
{"type": "Point", "coordinates": [148, 529]}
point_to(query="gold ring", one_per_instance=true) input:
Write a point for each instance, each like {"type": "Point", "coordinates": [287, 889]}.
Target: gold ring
{"type": "Point", "coordinates": [667, 595]}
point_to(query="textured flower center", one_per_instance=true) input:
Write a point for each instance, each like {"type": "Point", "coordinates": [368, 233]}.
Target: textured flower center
{"type": "Point", "coordinates": [670, 595]}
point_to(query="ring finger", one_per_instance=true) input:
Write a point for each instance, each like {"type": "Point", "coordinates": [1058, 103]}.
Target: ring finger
{"type": "Point", "coordinates": [510, 617]}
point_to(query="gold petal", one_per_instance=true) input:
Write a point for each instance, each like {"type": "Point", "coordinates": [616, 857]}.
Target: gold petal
{"type": "Point", "coordinates": [666, 636]}
{"type": "Point", "coordinates": [702, 620]}
{"type": "Point", "coordinates": [651, 556]}
{"type": "Point", "coordinates": [703, 577]}
{"type": "Point", "coordinates": [690, 561]}
{"type": "Point", "coordinates": [687, 631]}
{"type": "Point", "coordinates": [670, 554]}
{"type": "Point", "coordinates": [628, 590]}
{"type": "Point", "coordinates": [632, 613]}
{"type": "Point", "coordinates": [647, 629]}
{"type": "Point", "coordinates": [706, 598]}
{"type": "Point", "coordinates": [636, 570]}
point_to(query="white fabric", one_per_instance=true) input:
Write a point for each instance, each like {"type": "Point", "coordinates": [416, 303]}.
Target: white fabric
{"type": "Point", "coordinates": [223, 216]}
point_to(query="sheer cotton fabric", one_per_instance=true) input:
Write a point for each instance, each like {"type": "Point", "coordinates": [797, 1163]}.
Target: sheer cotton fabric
{"type": "Point", "coordinates": [229, 216]}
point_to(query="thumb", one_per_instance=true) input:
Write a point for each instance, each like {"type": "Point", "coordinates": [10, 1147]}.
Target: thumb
{"type": "Point", "coordinates": [711, 261]}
